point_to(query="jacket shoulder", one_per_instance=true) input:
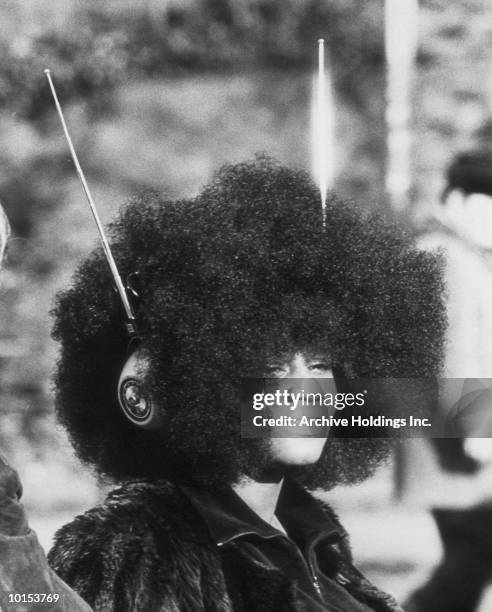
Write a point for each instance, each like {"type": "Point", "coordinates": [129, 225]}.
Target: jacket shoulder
{"type": "Point", "coordinates": [135, 551]}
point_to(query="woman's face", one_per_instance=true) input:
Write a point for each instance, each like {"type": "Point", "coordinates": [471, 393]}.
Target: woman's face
{"type": "Point", "coordinates": [300, 369]}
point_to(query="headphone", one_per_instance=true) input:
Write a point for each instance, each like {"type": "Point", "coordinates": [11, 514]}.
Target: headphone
{"type": "Point", "coordinates": [134, 399]}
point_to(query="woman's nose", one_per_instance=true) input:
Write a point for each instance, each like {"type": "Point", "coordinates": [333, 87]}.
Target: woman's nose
{"type": "Point", "coordinates": [298, 368]}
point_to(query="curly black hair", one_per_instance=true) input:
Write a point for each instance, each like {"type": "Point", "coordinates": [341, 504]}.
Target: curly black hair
{"type": "Point", "coordinates": [244, 270]}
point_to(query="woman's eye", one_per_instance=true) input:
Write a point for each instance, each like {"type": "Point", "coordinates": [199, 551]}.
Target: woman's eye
{"type": "Point", "coordinates": [320, 366]}
{"type": "Point", "coordinates": [275, 371]}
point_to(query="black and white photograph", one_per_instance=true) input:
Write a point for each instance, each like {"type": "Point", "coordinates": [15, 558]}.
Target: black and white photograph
{"type": "Point", "coordinates": [246, 306]}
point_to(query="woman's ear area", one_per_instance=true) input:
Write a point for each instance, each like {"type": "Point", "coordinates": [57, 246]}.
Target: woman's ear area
{"type": "Point", "coordinates": [133, 396]}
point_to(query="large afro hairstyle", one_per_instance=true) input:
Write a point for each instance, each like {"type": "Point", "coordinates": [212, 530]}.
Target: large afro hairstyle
{"type": "Point", "coordinates": [245, 270]}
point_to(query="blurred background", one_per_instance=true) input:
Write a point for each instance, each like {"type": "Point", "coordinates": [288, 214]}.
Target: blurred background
{"type": "Point", "coordinates": [157, 95]}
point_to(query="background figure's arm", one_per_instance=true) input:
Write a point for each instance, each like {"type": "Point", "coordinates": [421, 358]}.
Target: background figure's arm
{"type": "Point", "coordinates": [464, 278]}
{"type": "Point", "coordinates": [12, 518]}
{"type": "Point", "coordinates": [427, 485]}
{"type": "Point", "coordinates": [24, 569]}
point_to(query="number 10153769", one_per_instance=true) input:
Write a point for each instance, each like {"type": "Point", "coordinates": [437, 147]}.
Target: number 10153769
{"type": "Point", "coordinates": [33, 598]}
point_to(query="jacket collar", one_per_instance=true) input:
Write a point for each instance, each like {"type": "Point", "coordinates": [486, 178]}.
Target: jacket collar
{"type": "Point", "coordinates": [228, 517]}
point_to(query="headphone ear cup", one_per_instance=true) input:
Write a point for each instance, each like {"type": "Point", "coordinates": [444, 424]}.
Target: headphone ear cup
{"type": "Point", "coordinates": [134, 398]}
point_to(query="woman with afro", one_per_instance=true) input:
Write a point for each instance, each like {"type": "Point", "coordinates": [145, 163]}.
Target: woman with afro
{"type": "Point", "coordinates": [243, 281]}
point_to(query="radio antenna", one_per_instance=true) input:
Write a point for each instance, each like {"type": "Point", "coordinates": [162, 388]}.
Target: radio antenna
{"type": "Point", "coordinates": [321, 126]}
{"type": "Point", "coordinates": [323, 129]}
{"type": "Point", "coordinates": [105, 244]}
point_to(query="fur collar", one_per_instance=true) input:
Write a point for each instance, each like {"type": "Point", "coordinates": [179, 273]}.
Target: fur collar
{"type": "Point", "coordinates": [147, 549]}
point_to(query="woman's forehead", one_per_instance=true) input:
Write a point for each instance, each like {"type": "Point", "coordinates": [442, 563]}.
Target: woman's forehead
{"type": "Point", "coordinates": [308, 352]}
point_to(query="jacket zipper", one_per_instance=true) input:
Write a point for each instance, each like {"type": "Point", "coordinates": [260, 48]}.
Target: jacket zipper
{"type": "Point", "coordinates": [316, 585]}
{"type": "Point", "coordinates": [314, 578]}
{"type": "Point", "coordinates": [310, 555]}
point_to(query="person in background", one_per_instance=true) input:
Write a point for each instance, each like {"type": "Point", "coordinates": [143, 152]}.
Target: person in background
{"type": "Point", "coordinates": [452, 475]}
{"type": "Point", "coordinates": [24, 570]}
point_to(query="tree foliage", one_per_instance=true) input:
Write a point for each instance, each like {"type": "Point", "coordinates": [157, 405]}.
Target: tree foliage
{"type": "Point", "coordinates": [103, 45]}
